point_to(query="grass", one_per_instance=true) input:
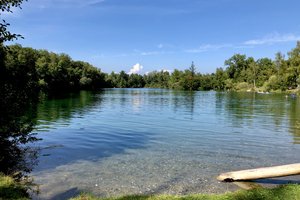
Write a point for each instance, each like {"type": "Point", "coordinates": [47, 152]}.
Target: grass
{"type": "Point", "coordinates": [10, 189]}
{"type": "Point", "coordinates": [284, 192]}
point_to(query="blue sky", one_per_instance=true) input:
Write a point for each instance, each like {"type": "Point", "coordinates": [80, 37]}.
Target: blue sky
{"type": "Point", "coordinates": [116, 35]}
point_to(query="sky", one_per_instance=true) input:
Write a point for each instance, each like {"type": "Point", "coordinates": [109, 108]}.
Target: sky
{"type": "Point", "coordinates": [139, 36]}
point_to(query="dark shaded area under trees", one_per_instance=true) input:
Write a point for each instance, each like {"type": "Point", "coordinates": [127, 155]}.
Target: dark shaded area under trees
{"type": "Point", "coordinates": [18, 90]}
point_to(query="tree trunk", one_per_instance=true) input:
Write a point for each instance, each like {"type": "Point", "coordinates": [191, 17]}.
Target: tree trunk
{"type": "Point", "coordinates": [259, 173]}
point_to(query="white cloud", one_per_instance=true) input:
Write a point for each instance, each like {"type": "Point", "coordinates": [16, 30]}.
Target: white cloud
{"type": "Point", "coordinates": [137, 52]}
{"type": "Point", "coordinates": [267, 40]}
{"type": "Point", "coordinates": [66, 3]}
{"type": "Point", "coordinates": [164, 46]}
{"type": "Point", "coordinates": [273, 38]}
{"type": "Point", "coordinates": [243, 46]}
{"type": "Point", "coordinates": [137, 68]}
{"type": "Point", "coordinates": [94, 2]}
{"type": "Point", "coordinates": [208, 47]}
{"type": "Point", "coordinates": [84, 3]}
{"type": "Point", "coordinates": [150, 53]}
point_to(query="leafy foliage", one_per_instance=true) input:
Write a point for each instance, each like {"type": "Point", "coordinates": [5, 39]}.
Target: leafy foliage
{"type": "Point", "coordinates": [18, 91]}
{"type": "Point", "coordinates": [6, 6]}
{"type": "Point", "coordinates": [51, 72]}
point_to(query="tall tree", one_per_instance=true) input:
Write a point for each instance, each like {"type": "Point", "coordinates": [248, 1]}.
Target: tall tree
{"type": "Point", "coordinates": [219, 79]}
{"type": "Point", "coordinates": [191, 77]}
{"type": "Point", "coordinates": [294, 66]}
{"type": "Point", "coordinates": [192, 69]}
{"type": "Point", "coordinates": [236, 65]}
{"type": "Point", "coordinates": [253, 68]}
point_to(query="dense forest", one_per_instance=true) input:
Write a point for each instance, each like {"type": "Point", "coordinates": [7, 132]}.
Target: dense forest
{"type": "Point", "coordinates": [241, 73]}
{"type": "Point", "coordinates": [41, 70]}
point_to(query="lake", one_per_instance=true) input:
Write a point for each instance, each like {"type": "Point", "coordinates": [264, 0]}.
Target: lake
{"type": "Point", "coordinates": [156, 141]}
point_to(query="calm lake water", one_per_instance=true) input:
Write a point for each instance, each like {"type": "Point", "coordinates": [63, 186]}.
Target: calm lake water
{"type": "Point", "coordinates": [153, 141]}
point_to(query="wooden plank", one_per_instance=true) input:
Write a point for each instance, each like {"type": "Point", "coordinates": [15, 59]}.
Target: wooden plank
{"type": "Point", "coordinates": [259, 173]}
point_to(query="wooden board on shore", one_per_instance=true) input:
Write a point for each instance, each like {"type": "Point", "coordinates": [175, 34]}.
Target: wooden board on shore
{"type": "Point", "coordinates": [259, 173]}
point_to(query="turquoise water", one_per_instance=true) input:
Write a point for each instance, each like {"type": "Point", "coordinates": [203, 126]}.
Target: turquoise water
{"type": "Point", "coordinates": [153, 141]}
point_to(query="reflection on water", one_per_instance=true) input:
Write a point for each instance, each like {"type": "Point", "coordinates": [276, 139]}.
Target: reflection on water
{"type": "Point", "coordinates": [70, 126]}
{"type": "Point", "coordinates": [273, 111]}
{"type": "Point", "coordinates": [129, 141]}
{"type": "Point", "coordinates": [61, 109]}
{"type": "Point", "coordinates": [294, 119]}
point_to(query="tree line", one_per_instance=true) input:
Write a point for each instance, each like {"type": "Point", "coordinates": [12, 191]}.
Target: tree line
{"type": "Point", "coordinates": [41, 70]}
{"type": "Point", "coordinates": [241, 73]}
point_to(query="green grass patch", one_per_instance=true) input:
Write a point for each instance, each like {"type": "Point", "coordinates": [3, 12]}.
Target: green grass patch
{"type": "Point", "coordinates": [10, 189]}
{"type": "Point", "coordinates": [284, 192]}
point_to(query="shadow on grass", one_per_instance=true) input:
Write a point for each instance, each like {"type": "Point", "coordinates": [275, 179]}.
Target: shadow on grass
{"type": "Point", "coordinates": [9, 189]}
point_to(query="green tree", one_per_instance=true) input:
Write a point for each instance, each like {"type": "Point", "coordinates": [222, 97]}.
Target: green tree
{"type": "Point", "coordinates": [6, 6]}
{"type": "Point", "coordinates": [252, 75]}
{"type": "Point", "coordinates": [191, 77]}
{"type": "Point", "coordinates": [235, 65]}
{"type": "Point", "coordinates": [175, 80]}
{"type": "Point", "coordinates": [279, 62]}
{"type": "Point", "coordinates": [122, 80]}
{"type": "Point", "coordinates": [136, 81]}
{"type": "Point", "coordinates": [219, 79]}
{"type": "Point", "coordinates": [273, 83]}
{"type": "Point", "coordinates": [206, 82]}
{"type": "Point", "coordinates": [298, 82]}
{"type": "Point", "coordinates": [293, 70]}
{"type": "Point", "coordinates": [192, 69]}
{"type": "Point", "coordinates": [265, 68]}
{"type": "Point", "coordinates": [157, 79]}
{"type": "Point", "coordinates": [111, 80]}
{"type": "Point", "coordinates": [19, 92]}
{"type": "Point", "coordinates": [229, 85]}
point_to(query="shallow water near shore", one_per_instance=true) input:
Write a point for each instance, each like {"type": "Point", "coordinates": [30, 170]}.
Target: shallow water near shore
{"type": "Point", "coordinates": [154, 141]}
